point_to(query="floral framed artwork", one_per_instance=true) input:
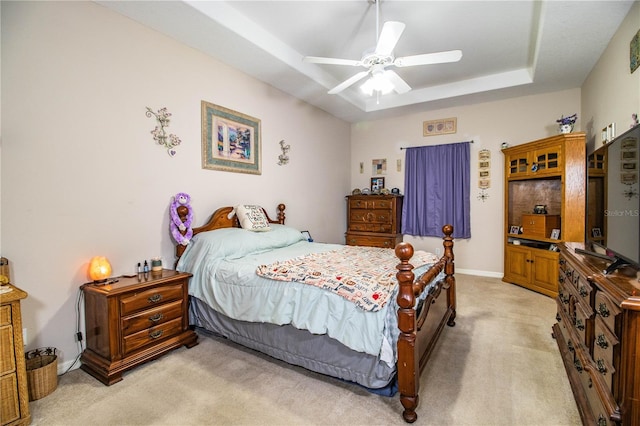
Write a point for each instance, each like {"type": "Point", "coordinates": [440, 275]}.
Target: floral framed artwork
{"type": "Point", "coordinates": [439, 127]}
{"type": "Point", "coordinates": [231, 140]}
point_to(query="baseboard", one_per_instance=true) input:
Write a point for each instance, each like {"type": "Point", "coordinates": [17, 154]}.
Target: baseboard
{"type": "Point", "coordinates": [478, 273]}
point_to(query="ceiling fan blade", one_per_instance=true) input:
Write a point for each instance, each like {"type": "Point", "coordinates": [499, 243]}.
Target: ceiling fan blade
{"type": "Point", "coordinates": [399, 85]}
{"type": "Point", "coordinates": [389, 36]}
{"type": "Point", "coordinates": [429, 58]}
{"type": "Point", "coordinates": [331, 61]}
{"type": "Point", "coordinates": [340, 87]}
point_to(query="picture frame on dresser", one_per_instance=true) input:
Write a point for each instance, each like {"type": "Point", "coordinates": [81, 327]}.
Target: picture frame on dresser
{"type": "Point", "coordinates": [377, 183]}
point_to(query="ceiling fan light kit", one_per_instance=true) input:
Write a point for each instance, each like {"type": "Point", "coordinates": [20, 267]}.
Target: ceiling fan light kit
{"type": "Point", "coordinates": [384, 81]}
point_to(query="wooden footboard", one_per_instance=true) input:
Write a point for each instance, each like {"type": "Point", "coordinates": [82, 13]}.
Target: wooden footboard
{"type": "Point", "coordinates": [420, 327]}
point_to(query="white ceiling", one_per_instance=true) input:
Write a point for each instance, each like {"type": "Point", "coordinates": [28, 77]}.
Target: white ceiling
{"type": "Point", "coordinates": [510, 48]}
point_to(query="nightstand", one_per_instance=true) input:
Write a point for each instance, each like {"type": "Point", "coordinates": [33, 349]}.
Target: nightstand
{"type": "Point", "coordinates": [133, 321]}
{"type": "Point", "coordinates": [14, 409]}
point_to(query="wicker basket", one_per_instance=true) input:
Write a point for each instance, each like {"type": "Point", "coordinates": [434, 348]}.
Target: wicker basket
{"type": "Point", "coordinates": [42, 372]}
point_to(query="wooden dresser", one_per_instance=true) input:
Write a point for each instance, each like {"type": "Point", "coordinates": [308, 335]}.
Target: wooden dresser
{"type": "Point", "coordinates": [374, 220]}
{"type": "Point", "coordinates": [14, 409]}
{"type": "Point", "coordinates": [133, 321]}
{"type": "Point", "coordinates": [598, 334]}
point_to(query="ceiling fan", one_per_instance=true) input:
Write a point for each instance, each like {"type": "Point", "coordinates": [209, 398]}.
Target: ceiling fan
{"type": "Point", "coordinates": [376, 62]}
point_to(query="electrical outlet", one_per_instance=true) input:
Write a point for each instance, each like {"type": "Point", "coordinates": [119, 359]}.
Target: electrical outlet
{"type": "Point", "coordinates": [24, 336]}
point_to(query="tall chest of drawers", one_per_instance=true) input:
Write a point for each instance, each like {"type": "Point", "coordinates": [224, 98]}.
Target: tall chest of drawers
{"type": "Point", "coordinates": [598, 334]}
{"type": "Point", "coordinates": [374, 220]}
{"type": "Point", "coordinates": [133, 321]}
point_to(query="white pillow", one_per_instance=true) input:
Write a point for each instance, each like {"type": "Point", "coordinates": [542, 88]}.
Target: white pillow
{"type": "Point", "coordinates": [252, 217]}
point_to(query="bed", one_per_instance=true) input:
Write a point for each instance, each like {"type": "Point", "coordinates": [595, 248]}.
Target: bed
{"type": "Point", "coordinates": [277, 293]}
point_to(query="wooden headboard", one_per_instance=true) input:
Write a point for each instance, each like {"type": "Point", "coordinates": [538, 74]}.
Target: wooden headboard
{"type": "Point", "coordinates": [220, 219]}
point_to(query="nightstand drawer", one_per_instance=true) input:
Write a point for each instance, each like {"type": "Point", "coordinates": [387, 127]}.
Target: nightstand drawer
{"type": "Point", "coordinates": [152, 317]}
{"type": "Point", "coordinates": [5, 315]}
{"type": "Point", "coordinates": [152, 335]}
{"type": "Point", "coordinates": [150, 297]}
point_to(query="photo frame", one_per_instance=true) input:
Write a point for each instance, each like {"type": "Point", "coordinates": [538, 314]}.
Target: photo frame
{"type": "Point", "coordinates": [377, 183]}
{"type": "Point", "coordinates": [555, 234]}
{"type": "Point", "coordinates": [231, 140]}
{"type": "Point", "coordinates": [553, 247]}
{"type": "Point", "coordinates": [514, 230]}
{"type": "Point", "coordinates": [596, 233]}
{"type": "Point", "coordinates": [439, 127]}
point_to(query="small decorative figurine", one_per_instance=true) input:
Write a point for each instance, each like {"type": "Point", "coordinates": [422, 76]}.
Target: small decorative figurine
{"type": "Point", "coordinates": [566, 123]}
{"type": "Point", "coordinates": [181, 231]}
{"type": "Point", "coordinates": [634, 121]}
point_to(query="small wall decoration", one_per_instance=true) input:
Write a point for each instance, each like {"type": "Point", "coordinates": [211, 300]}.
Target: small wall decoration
{"type": "Point", "coordinates": [484, 173]}
{"type": "Point", "coordinates": [231, 141]}
{"type": "Point", "coordinates": [283, 158]}
{"type": "Point", "coordinates": [379, 167]}
{"type": "Point", "coordinates": [439, 127]}
{"type": "Point", "coordinates": [634, 52]}
{"type": "Point", "coordinates": [377, 183]}
{"type": "Point", "coordinates": [361, 167]}
{"type": "Point", "coordinates": [160, 134]}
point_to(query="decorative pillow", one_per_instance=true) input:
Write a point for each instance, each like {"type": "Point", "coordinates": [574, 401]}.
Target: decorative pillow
{"type": "Point", "coordinates": [252, 218]}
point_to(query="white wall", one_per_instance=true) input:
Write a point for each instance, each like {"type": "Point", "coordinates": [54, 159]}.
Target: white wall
{"type": "Point", "coordinates": [514, 121]}
{"type": "Point", "coordinates": [610, 94]}
{"type": "Point", "coordinates": [82, 176]}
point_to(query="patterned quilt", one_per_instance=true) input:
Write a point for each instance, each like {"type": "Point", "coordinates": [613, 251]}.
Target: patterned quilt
{"type": "Point", "coordinates": [365, 276]}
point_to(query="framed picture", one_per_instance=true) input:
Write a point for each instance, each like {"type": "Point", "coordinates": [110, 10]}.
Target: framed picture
{"type": "Point", "coordinates": [628, 166]}
{"type": "Point", "coordinates": [553, 247]}
{"type": "Point", "coordinates": [634, 52]}
{"type": "Point", "coordinates": [596, 233]}
{"type": "Point", "coordinates": [629, 143]}
{"type": "Point", "coordinates": [377, 183]}
{"type": "Point", "coordinates": [307, 236]}
{"type": "Point", "coordinates": [514, 229]}
{"type": "Point", "coordinates": [555, 234]}
{"type": "Point", "coordinates": [379, 167]}
{"type": "Point", "coordinates": [439, 127]}
{"type": "Point", "coordinates": [231, 141]}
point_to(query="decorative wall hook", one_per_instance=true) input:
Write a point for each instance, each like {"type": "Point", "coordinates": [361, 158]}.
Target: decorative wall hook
{"type": "Point", "coordinates": [283, 158]}
{"type": "Point", "coordinates": [160, 134]}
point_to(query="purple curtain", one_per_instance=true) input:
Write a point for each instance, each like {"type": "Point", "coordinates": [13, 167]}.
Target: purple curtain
{"type": "Point", "coordinates": [437, 190]}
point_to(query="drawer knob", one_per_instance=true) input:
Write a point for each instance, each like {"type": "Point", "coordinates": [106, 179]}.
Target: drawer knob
{"type": "Point", "coordinates": [155, 334]}
{"type": "Point", "coordinates": [603, 310]}
{"type": "Point", "coordinates": [558, 317]}
{"type": "Point", "coordinates": [570, 346]}
{"type": "Point", "coordinates": [155, 298]}
{"type": "Point", "coordinates": [602, 368]}
{"type": "Point", "coordinates": [580, 325]}
{"type": "Point", "coordinates": [578, 365]}
{"type": "Point", "coordinates": [583, 291]}
{"type": "Point", "coordinates": [157, 317]}
{"type": "Point", "coordinates": [602, 421]}
{"type": "Point", "coordinates": [602, 341]}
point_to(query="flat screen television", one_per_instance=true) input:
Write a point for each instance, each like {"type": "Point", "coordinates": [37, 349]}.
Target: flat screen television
{"type": "Point", "coordinates": [613, 202]}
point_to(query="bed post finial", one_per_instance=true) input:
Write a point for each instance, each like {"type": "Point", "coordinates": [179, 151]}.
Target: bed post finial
{"type": "Point", "coordinates": [281, 208]}
{"type": "Point", "coordinates": [409, 370]}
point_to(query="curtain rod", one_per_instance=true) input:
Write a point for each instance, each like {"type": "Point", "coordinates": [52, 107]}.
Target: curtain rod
{"type": "Point", "coordinates": [407, 147]}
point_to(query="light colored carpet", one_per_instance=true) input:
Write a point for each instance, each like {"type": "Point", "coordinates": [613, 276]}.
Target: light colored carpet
{"type": "Point", "coordinates": [498, 366]}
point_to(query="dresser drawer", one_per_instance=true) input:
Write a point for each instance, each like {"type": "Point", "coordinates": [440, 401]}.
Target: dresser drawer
{"type": "Point", "coordinates": [372, 240]}
{"type": "Point", "coordinates": [371, 203]}
{"type": "Point", "coordinates": [599, 413]}
{"type": "Point", "coordinates": [5, 315]}
{"type": "Point", "coordinates": [606, 310]}
{"type": "Point", "coordinates": [151, 317]}
{"type": "Point", "coordinates": [152, 335]}
{"type": "Point", "coordinates": [581, 319]}
{"type": "Point", "coordinates": [370, 216]}
{"type": "Point", "coordinates": [151, 297]}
